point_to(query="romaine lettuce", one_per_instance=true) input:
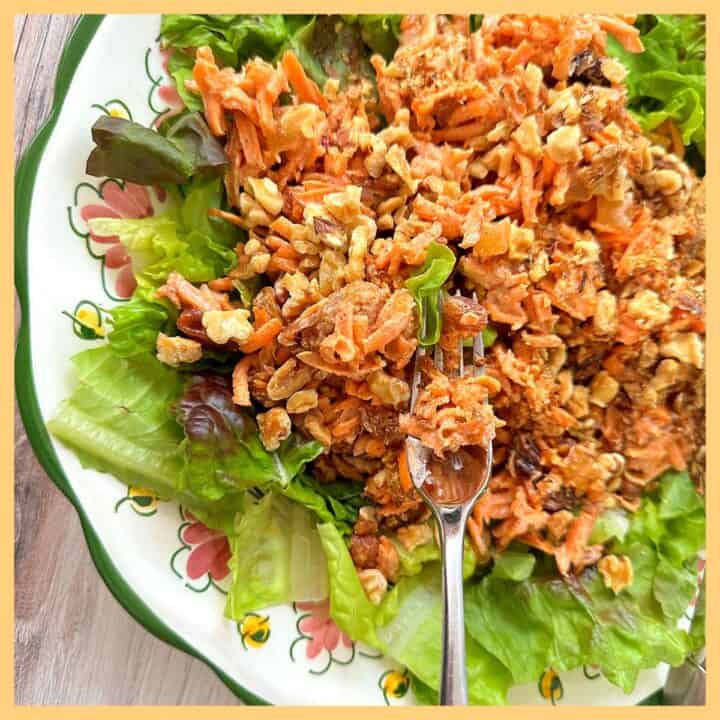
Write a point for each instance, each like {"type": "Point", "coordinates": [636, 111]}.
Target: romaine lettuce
{"type": "Point", "coordinates": [232, 38]}
{"type": "Point", "coordinates": [182, 239]}
{"type": "Point", "coordinates": [426, 285]}
{"type": "Point", "coordinates": [667, 80]}
{"type": "Point", "coordinates": [543, 622]}
{"type": "Point", "coordinates": [521, 618]}
{"type": "Point", "coordinates": [276, 558]}
{"type": "Point", "coordinates": [336, 502]}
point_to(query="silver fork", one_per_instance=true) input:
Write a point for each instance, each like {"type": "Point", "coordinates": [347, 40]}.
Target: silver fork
{"type": "Point", "coordinates": [450, 488]}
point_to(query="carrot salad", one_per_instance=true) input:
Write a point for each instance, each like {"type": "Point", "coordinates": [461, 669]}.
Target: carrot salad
{"type": "Point", "coordinates": [581, 239]}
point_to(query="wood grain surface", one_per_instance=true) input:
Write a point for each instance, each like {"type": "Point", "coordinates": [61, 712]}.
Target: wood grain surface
{"type": "Point", "coordinates": [74, 644]}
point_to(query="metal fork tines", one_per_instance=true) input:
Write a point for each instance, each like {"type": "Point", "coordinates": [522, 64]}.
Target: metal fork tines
{"type": "Point", "coordinates": [469, 478]}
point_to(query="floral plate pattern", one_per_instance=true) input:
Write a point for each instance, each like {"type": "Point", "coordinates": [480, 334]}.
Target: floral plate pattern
{"type": "Point", "coordinates": [165, 567]}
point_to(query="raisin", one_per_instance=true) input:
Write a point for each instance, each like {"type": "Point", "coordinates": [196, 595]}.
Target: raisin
{"type": "Point", "coordinates": [585, 68]}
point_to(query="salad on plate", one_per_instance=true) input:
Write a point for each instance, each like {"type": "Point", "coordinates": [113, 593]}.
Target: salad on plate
{"type": "Point", "coordinates": [341, 190]}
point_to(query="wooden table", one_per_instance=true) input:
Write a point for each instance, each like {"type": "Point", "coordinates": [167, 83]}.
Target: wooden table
{"type": "Point", "coordinates": [74, 645]}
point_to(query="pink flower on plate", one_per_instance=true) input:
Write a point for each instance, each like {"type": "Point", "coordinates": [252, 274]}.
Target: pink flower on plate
{"type": "Point", "coordinates": [167, 91]}
{"type": "Point", "coordinates": [320, 628]}
{"type": "Point", "coordinates": [209, 550]}
{"type": "Point", "coordinates": [128, 201]}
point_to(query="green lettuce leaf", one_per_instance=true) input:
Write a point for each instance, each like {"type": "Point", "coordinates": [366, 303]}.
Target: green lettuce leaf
{"type": "Point", "coordinates": [136, 324]}
{"type": "Point", "coordinates": [276, 557]}
{"type": "Point", "coordinates": [183, 239]}
{"type": "Point", "coordinates": [413, 561]}
{"type": "Point", "coordinates": [189, 132]}
{"type": "Point", "coordinates": [541, 616]}
{"type": "Point", "coordinates": [697, 628]}
{"type": "Point", "coordinates": [426, 286]}
{"type": "Point", "coordinates": [674, 587]}
{"type": "Point", "coordinates": [379, 32]}
{"type": "Point", "coordinates": [232, 38]}
{"type": "Point", "coordinates": [180, 66]}
{"type": "Point", "coordinates": [513, 565]}
{"type": "Point", "coordinates": [667, 80]}
{"type": "Point", "coordinates": [612, 524]}
{"type": "Point", "coordinates": [424, 694]}
{"type": "Point", "coordinates": [222, 448]}
{"type": "Point", "coordinates": [411, 633]}
{"type": "Point", "coordinates": [407, 624]}
{"type": "Point", "coordinates": [336, 502]}
{"type": "Point", "coordinates": [349, 606]}
{"type": "Point", "coordinates": [117, 418]}
{"type": "Point", "coordinates": [542, 621]}
{"type": "Point", "coordinates": [132, 152]}
{"type": "Point", "coordinates": [330, 47]}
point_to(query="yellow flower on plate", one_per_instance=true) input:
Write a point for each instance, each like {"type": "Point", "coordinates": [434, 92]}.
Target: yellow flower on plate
{"type": "Point", "coordinates": [394, 684]}
{"type": "Point", "coordinates": [90, 318]}
{"type": "Point", "coordinates": [142, 500]}
{"type": "Point", "coordinates": [550, 686]}
{"type": "Point", "coordinates": [254, 630]}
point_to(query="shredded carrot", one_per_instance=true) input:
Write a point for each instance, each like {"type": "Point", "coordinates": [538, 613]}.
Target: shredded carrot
{"type": "Point", "coordinates": [262, 336]}
{"type": "Point", "coordinates": [241, 388]}
{"type": "Point", "coordinates": [405, 480]}
{"type": "Point", "coordinates": [230, 217]}
{"type": "Point", "coordinates": [304, 87]}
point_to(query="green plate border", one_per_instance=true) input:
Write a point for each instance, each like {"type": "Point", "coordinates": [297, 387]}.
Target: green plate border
{"type": "Point", "coordinates": [25, 173]}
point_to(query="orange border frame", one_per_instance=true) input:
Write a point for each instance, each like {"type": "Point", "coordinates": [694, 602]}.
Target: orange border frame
{"type": "Point", "coordinates": [10, 710]}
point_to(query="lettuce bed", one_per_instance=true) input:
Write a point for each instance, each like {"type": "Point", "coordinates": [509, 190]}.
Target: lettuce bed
{"type": "Point", "coordinates": [178, 432]}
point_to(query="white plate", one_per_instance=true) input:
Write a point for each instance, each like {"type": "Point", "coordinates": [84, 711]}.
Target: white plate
{"type": "Point", "coordinates": [153, 556]}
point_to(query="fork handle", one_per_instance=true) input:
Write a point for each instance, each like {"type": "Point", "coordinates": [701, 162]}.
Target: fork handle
{"type": "Point", "coordinates": [453, 679]}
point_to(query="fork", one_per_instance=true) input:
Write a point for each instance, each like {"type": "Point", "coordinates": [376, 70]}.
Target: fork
{"type": "Point", "coordinates": [451, 503]}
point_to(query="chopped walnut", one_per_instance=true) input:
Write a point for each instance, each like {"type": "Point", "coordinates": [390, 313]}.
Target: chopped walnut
{"type": "Point", "coordinates": [685, 347]}
{"type": "Point", "coordinates": [616, 571]}
{"type": "Point", "coordinates": [301, 293]}
{"type": "Point", "coordinates": [521, 242]}
{"type": "Point", "coordinates": [375, 161]}
{"type": "Point", "coordinates": [314, 425]}
{"type": "Point", "coordinates": [612, 464]}
{"type": "Point", "coordinates": [565, 386]}
{"type": "Point", "coordinates": [259, 263]}
{"type": "Point", "coordinates": [603, 389]}
{"type": "Point", "coordinates": [374, 584]}
{"type": "Point", "coordinates": [302, 401]}
{"type": "Point", "coordinates": [367, 523]}
{"type": "Point", "coordinates": [539, 267]}
{"type": "Point", "coordinates": [274, 426]}
{"type": "Point", "coordinates": [494, 239]}
{"type": "Point", "coordinates": [267, 194]}
{"type": "Point", "coordinates": [225, 325]}
{"type": "Point", "coordinates": [364, 550]}
{"type": "Point", "coordinates": [360, 240]}
{"type": "Point", "coordinates": [648, 310]}
{"type": "Point", "coordinates": [288, 379]}
{"type": "Point", "coordinates": [176, 350]}
{"type": "Point", "coordinates": [558, 524]}
{"type": "Point", "coordinates": [563, 144]}
{"type": "Point", "coordinates": [412, 536]}
{"type": "Point", "coordinates": [388, 560]}
{"type": "Point", "coordinates": [253, 213]}
{"type": "Point", "coordinates": [613, 70]}
{"type": "Point", "coordinates": [528, 137]}
{"type": "Point", "coordinates": [578, 404]}
{"type": "Point", "coordinates": [345, 206]}
{"type": "Point", "coordinates": [605, 318]}
{"type": "Point", "coordinates": [391, 390]}
{"type": "Point", "coordinates": [396, 159]}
